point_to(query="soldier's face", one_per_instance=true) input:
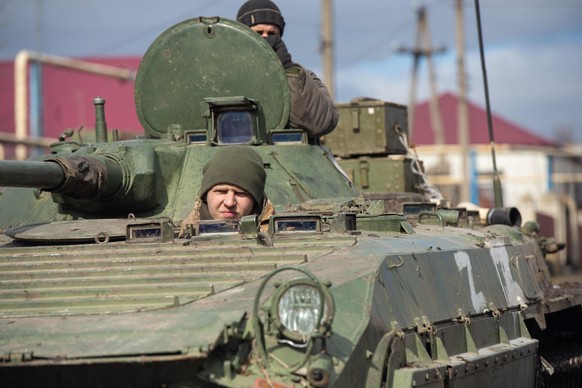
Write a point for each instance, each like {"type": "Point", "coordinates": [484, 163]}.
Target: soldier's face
{"type": "Point", "coordinates": [266, 29]}
{"type": "Point", "coordinates": [228, 202]}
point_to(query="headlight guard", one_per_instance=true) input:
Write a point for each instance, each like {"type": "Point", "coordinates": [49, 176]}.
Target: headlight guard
{"type": "Point", "coordinates": [306, 295]}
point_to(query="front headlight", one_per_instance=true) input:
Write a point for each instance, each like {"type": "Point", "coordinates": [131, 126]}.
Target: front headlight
{"type": "Point", "coordinates": [299, 313]}
{"type": "Point", "coordinates": [299, 309]}
{"type": "Point", "coordinates": [302, 309]}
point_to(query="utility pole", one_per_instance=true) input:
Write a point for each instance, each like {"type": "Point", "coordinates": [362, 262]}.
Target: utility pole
{"type": "Point", "coordinates": [462, 111]}
{"type": "Point", "coordinates": [423, 48]}
{"type": "Point", "coordinates": [327, 45]}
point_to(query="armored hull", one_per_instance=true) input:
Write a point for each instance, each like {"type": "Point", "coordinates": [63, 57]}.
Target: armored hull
{"type": "Point", "coordinates": [440, 305]}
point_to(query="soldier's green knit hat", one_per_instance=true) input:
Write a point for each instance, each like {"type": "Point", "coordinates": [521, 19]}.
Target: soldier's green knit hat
{"type": "Point", "coordinates": [240, 166]}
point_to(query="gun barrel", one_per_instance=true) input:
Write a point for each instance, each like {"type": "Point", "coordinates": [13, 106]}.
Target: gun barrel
{"type": "Point", "coordinates": [91, 183]}
{"type": "Point", "coordinates": [34, 174]}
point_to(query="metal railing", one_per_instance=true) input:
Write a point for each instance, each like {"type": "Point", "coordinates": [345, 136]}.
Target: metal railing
{"type": "Point", "coordinates": [22, 81]}
{"type": "Point", "coordinates": [28, 144]}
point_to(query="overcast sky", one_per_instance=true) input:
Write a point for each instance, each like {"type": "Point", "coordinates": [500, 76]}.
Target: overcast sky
{"type": "Point", "coordinates": [533, 48]}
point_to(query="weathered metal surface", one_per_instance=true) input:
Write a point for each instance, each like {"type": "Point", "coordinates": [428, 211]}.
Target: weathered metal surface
{"type": "Point", "coordinates": [432, 297]}
{"type": "Point", "coordinates": [106, 278]}
{"type": "Point", "coordinates": [410, 279]}
{"type": "Point", "coordinates": [71, 231]}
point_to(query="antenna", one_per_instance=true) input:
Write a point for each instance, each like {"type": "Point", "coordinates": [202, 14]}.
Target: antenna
{"type": "Point", "coordinates": [498, 195]}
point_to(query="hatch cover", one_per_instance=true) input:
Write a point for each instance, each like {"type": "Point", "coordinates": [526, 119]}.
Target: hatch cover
{"type": "Point", "coordinates": [207, 58]}
{"type": "Point", "coordinates": [103, 230]}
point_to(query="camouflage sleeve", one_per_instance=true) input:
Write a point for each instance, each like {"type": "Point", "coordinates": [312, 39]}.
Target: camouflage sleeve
{"type": "Point", "coordinates": [312, 107]}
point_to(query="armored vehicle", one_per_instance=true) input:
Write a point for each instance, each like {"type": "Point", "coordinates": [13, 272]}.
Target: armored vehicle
{"type": "Point", "coordinates": [101, 285]}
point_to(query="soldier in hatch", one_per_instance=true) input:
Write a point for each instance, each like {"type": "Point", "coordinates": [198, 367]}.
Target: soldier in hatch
{"type": "Point", "coordinates": [233, 185]}
{"type": "Point", "coordinates": [312, 107]}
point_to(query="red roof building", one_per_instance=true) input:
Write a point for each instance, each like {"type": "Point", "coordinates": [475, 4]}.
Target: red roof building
{"type": "Point", "coordinates": [504, 131]}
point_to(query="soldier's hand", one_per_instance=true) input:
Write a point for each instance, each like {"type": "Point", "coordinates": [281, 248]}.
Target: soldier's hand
{"type": "Point", "coordinates": [281, 50]}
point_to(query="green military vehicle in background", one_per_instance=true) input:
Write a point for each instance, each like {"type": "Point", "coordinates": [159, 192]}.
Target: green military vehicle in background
{"type": "Point", "coordinates": [101, 287]}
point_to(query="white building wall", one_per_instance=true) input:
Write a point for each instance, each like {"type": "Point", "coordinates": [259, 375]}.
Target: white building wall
{"type": "Point", "coordinates": [524, 178]}
{"type": "Point", "coordinates": [523, 173]}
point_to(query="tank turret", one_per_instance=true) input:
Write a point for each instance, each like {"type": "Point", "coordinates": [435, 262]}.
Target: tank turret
{"type": "Point", "coordinates": [190, 100]}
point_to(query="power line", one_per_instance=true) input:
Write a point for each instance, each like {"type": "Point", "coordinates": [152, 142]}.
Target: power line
{"type": "Point", "coordinates": [396, 32]}
{"type": "Point", "coordinates": [373, 47]}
